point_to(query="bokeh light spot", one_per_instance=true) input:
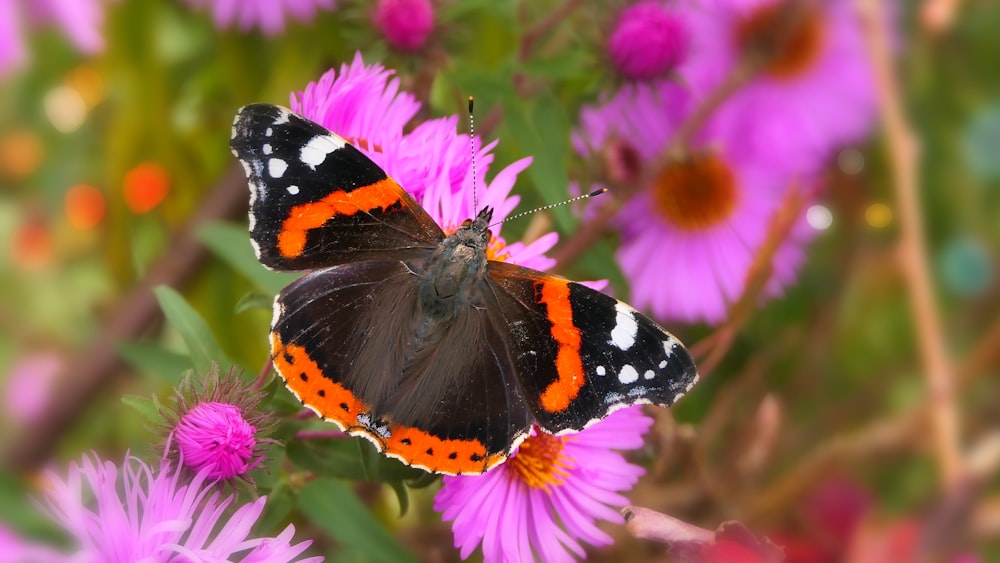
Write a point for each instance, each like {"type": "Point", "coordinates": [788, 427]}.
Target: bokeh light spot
{"type": "Point", "coordinates": [65, 108]}
{"type": "Point", "coordinates": [21, 153]}
{"type": "Point", "coordinates": [878, 215]}
{"type": "Point", "coordinates": [819, 217]}
{"type": "Point", "coordinates": [145, 187]}
{"type": "Point", "coordinates": [31, 246]}
{"type": "Point", "coordinates": [85, 206]}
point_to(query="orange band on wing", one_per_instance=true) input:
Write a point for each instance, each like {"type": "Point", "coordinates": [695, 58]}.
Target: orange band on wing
{"type": "Point", "coordinates": [308, 216]}
{"type": "Point", "coordinates": [304, 378]}
{"type": "Point", "coordinates": [336, 403]}
{"type": "Point", "coordinates": [569, 367]}
{"type": "Point", "coordinates": [416, 447]}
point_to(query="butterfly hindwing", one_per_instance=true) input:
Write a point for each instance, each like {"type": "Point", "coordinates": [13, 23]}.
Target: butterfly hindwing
{"type": "Point", "coordinates": [316, 200]}
{"type": "Point", "coordinates": [352, 344]}
{"type": "Point", "coordinates": [581, 354]}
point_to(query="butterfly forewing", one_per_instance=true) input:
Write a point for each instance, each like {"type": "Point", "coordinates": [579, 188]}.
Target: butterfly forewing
{"type": "Point", "coordinates": [316, 200]}
{"type": "Point", "coordinates": [580, 354]}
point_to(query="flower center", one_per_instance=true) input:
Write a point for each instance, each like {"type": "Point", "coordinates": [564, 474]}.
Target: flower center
{"type": "Point", "coordinates": [539, 461]}
{"type": "Point", "coordinates": [696, 194]}
{"type": "Point", "coordinates": [788, 36]}
{"type": "Point", "coordinates": [216, 437]}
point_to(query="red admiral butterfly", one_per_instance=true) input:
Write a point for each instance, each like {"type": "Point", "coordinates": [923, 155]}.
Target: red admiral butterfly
{"type": "Point", "coordinates": [413, 338]}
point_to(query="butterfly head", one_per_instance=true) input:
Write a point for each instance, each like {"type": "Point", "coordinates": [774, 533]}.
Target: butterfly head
{"type": "Point", "coordinates": [456, 267]}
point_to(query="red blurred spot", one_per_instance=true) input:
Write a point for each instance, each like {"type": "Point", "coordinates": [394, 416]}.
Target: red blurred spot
{"type": "Point", "coordinates": [146, 186]}
{"type": "Point", "coordinates": [85, 206]}
{"type": "Point", "coordinates": [31, 245]}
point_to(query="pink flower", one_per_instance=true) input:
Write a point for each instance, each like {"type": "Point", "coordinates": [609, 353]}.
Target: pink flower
{"type": "Point", "coordinates": [79, 20]}
{"type": "Point", "coordinates": [360, 103]}
{"type": "Point", "coordinates": [267, 15]}
{"type": "Point", "coordinates": [433, 162]}
{"type": "Point", "coordinates": [648, 40]}
{"type": "Point", "coordinates": [215, 427]}
{"type": "Point", "coordinates": [154, 515]}
{"type": "Point", "coordinates": [546, 499]}
{"type": "Point", "coordinates": [816, 93]}
{"type": "Point", "coordinates": [690, 238]}
{"type": "Point", "coordinates": [406, 24]}
{"type": "Point", "coordinates": [29, 386]}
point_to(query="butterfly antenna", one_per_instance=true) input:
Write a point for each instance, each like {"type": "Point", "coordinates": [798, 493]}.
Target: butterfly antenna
{"type": "Point", "coordinates": [550, 206]}
{"type": "Point", "coordinates": [472, 148]}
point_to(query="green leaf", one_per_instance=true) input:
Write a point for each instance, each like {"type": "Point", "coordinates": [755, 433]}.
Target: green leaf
{"type": "Point", "coordinates": [201, 344]}
{"type": "Point", "coordinates": [157, 360]}
{"type": "Point", "coordinates": [402, 495]}
{"type": "Point", "coordinates": [330, 458]}
{"type": "Point", "coordinates": [149, 408]}
{"type": "Point", "coordinates": [231, 243]}
{"type": "Point", "coordinates": [330, 505]}
{"type": "Point", "coordinates": [280, 502]}
{"type": "Point", "coordinates": [255, 300]}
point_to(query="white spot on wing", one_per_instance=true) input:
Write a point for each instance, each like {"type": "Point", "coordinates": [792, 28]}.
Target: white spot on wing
{"type": "Point", "coordinates": [276, 167]}
{"type": "Point", "coordinates": [669, 344]}
{"type": "Point", "coordinates": [650, 374]}
{"type": "Point", "coordinates": [628, 374]}
{"type": "Point", "coordinates": [623, 335]}
{"type": "Point", "coordinates": [268, 132]}
{"type": "Point", "coordinates": [663, 364]}
{"type": "Point", "coordinates": [600, 370]}
{"type": "Point", "coordinates": [283, 115]}
{"type": "Point", "coordinates": [267, 148]}
{"type": "Point", "coordinates": [314, 152]}
{"type": "Point", "coordinates": [293, 189]}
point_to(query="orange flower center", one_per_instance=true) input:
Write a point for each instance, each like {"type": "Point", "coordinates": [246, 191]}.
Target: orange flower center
{"type": "Point", "coordinates": [696, 194]}
{"type": "Point", "coordinates": [789, 36]}
{"type": "Point", "coordinates": [539, 462]}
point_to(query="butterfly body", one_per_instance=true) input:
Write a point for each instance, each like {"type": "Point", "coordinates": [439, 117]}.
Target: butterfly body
{"type": "Point", "coordinates": [414, 338]}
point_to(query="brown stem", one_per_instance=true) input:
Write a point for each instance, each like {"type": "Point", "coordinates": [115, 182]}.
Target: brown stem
{"type": "Point", "coordinates": [902, 146]}
{"type": "Point", "coordinates": [96, 365]}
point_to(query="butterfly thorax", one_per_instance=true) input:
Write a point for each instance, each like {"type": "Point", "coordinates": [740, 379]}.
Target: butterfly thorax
{"type": "Point", "coordinates": [452, 275]}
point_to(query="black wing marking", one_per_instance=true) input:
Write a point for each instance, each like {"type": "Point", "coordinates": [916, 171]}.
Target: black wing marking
{"type": "Point", "coordinates": [316, 200]}
{"type": "Point", "coordinates": [580, 354]}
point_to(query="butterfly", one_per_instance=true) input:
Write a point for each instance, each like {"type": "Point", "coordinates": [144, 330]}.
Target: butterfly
{"type": "Point", "coordinates": [413, 338]}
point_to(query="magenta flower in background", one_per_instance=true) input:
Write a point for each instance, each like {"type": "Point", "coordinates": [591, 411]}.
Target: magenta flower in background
{"type": "Point", "coordinates": [137, 513]}
{"type": "Point", "coordinates": [269, 16]}
{"type": "Point", "coordinates": [546, 499]}
{"type": "Point", "coordinates": [215, 427]}
{"type": "Point", "coordinates": [816, 94]}
{"type": "Point", "coordinates": [29, 386]}
{"type": "Point", "coordinates": [405, 24]}
{"type": "Point", "coordinates": [79, 20]}
{"type": "Point", "coordinates": [690, 238]}
{"type": "Point", "coordinates": [649, 39]}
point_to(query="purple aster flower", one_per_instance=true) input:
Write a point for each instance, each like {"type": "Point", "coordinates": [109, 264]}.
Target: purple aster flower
{"type": "Point", "coordinates": [815, 92]}
{"type": "Point", "coordinates": [648, 40]}
{"type": "Point", "coordinates": [433, 162]}
{"type": "Point", "coordinates": [267, 15]}
{"type": "Point", "coordinates": [690, 238]}
{"type": "Point", "coordinates": [406, 24]}
{"type": "Point", "coordinates": [16, 549]}
{"type": "Point", "coordinates": [215, 427]}
{"type": "Point", "coordinates": [136, 513]}
{"type": "Point", "coordinates": [79, 20]}
{"type": "Point", "coordinates": [360, 103]}
{"type": "Point", "coordinates": [29, 386]}
{"type": "Point", "coordinates": [546, 499]}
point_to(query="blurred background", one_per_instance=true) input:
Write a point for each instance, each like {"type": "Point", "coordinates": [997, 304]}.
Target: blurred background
{"type": "Point", "coordinates": [854, 408]}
